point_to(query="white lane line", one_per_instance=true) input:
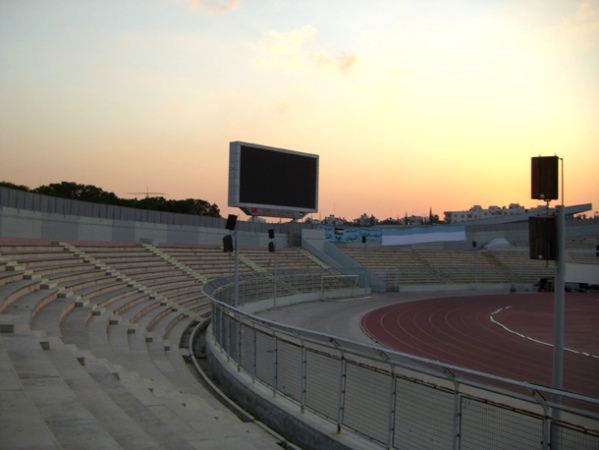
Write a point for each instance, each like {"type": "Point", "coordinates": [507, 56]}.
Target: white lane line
{"type": "Point", "coordinates": [509, 330]}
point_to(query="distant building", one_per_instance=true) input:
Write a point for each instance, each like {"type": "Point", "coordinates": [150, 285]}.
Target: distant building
{"type": "Point", "coordinates": [334, 221]}
{"type": "Point", "coordinates": [477, 212]}
{"type": "Point", "coordinates": [366, 221]}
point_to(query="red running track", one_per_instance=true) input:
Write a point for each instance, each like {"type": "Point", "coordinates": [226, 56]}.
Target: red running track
{"type": "Point", "coordinates": [466, 331]}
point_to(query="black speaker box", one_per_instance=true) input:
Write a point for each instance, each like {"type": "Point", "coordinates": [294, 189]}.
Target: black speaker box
{"type": "Point", "coordinates": [542, 237]}
{"type": "Point", "coordinates": [271, 234]}
{"type": "Point", "coordinates": [227, 243]}
{"type": "Point", "coordinates": [544, 177]}
{"type": "Point", "coordinates": [271, 247]}
{"type": "Point", "coordinates": [231, 220]}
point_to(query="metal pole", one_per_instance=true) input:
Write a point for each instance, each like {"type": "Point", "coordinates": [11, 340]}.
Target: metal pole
{"type": "Point", "coordinates": [342, 384]}
{"type": "Point", "coordinates": [303, 379]}
{"type": "Point", "coordinates": [558, 302]}
{"type": "Point", "coordinates": [392, 410]}
{"type": "Point", "coordinates": [275, 368]}
{"type": "Point", "coordinates": [275, 280]}
{"type": "Point", "coordinates": [367, 281]}
{"type": "Point", "coordinates": [558, 315]}
{"type": "Point", "coordinates": [558, 322]}
{"type": "Point", "coordinates": [236, 289]}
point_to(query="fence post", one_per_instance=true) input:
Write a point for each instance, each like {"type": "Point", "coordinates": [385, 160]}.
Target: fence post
{"type": "Point", "coordinates": [342, 383]}
{"type": "Point", "coordinates": [392, 407]}
{"type": "Point", "coordinates": [303, 379]}
{"type": "Point", "coordinates": [239, 349]}
{"type": "Point", "coordinates": [275, 367]}
{"type": "Point", "coordinates": [255, 361]}
{"type": "Point", "coordinates": [457, 419]}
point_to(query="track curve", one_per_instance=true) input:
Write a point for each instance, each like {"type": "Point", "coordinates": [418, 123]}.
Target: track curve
{"type": "Point", "coordinates": [510, 335]}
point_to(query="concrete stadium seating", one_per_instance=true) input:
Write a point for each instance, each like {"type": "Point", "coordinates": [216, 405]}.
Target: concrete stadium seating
{"type": "Point", "coordinates": [91, 349]}
{"type": "Point", "coordinates": [409, 266]}
{"type": "Point", "coordinates": [90, 357]}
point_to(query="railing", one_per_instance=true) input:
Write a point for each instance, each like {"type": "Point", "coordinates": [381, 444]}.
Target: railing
{"type": "Point", "coordinates": [394, 399]}
{"type": "Point", "coordinates": [391, 398]}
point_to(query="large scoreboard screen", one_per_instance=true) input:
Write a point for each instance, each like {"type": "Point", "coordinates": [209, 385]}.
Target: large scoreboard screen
{"type": "Point", "coordinates": [268, 181]}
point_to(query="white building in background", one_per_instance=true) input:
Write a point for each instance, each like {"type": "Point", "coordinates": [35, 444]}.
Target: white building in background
{"type": "Point", "coordinates": [477, 212]}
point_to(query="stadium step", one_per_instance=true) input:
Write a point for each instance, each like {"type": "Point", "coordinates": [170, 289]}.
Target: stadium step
{"type": "Point", "coordinates": [174, 262]}
{"type": "Point", "coordinates": [16, 405]}
{"type": "Point", "coordinates": [71, 423]}
{"type": "Point", "coordinates": [311, 257]}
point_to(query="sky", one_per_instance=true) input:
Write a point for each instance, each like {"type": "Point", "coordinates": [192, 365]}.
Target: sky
{"type": "Point", "coordinates": [411, 105]}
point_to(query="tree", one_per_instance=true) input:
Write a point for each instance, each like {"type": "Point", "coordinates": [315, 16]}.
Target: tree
{"type": "Point", "coordinates": [75, 191]}
{"type": "Point", "coordinates": [89, 193]}
{"type": "Point", "coordinates": [17, 187]}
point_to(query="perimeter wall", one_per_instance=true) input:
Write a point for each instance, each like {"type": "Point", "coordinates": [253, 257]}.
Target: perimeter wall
{"type": "Point", "coordinates": [34, 216]}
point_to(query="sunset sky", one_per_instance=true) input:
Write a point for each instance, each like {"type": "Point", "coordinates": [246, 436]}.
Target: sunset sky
{"type": "Point", "coordinates": [410, 104]}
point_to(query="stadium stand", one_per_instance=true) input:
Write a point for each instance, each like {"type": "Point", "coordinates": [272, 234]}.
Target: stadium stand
{"type": "Point", "coordinates": [85, 357]}
{"type": "Point", "coordinates": [94, 335]}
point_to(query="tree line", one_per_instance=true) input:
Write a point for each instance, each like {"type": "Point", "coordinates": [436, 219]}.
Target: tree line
{"type": "Point", "coordinates": [94, 194]}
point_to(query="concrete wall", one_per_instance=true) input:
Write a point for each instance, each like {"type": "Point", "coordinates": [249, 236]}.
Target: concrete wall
{"type": "Point", "coordinates": [16, 223]}
{"type": "Point", "coordinates": [582, 273]}
{"type": "Point", "coordinates": [37, 225]}
{"type": "Point", "coordinates": [34, 216]}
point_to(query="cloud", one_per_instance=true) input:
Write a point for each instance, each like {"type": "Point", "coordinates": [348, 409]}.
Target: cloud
{"type": "Point", "coordinates": [342, 63]}
{"type": "Point", "coordinates": [583, 23]}
{"type": "Point", "coordinates": [297, 49]}
{"type": "Point", "coordinates": [215, 6]}
{"type": "Point", "coordinates": [289, 43]}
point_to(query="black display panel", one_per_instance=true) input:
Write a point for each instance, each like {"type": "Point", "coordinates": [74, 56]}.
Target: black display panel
{"type": "Point", "coordinates": [272, 181]}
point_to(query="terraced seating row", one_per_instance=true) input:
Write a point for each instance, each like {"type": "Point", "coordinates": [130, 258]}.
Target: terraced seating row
{"type": "Point", "coordinates": [408, 266]}
{"type": "Point", "coordinates": [86, 337]}
{"type": "Point", "coordinates": [288, 258]}
{"type": "Point", "coordinates": [465, 267]}
{"type": "Point", "coordinates": [396, 266]}
{"type": "Point", "coordinates": [522, 268]}
{"type": "Point", "coordinates": [210, 262]}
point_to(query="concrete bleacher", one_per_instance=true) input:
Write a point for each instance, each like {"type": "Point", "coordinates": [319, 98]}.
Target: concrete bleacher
{"type": "Point", "coordinates": [412, 266]}
{"type": "Point", "coordinates": [209, 262]}
{"type": "Point", "coordinates": [92, 335]}
{"type": "Point", "coordinates": [90, 358]}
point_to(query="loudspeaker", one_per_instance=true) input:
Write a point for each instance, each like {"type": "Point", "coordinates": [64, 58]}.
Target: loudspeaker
{"type": "Point", "coordinates": [271, 234]}
{"type": "Point", "coordinates": [544, 177]}
{"type": "Point", "coordinates": [231, 220]}
{"type": "Point", "coordinates": [363, 239]}
{"type": "Point", "coordinates": [271, 247]}
{"type": "Point", "coordinates": [227, 243]}
{"type": "Point", "coordinates": [542, 237]}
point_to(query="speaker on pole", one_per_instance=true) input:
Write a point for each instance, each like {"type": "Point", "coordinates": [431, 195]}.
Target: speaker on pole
{"type": "Point", "coordinates": [544, 177]}
{"type": "Point", "coordinates": [542, 237]}
{"type": "Point", "coordinates": [228, 243]}
{"type": "Point", "coordinates": [231, 220]}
